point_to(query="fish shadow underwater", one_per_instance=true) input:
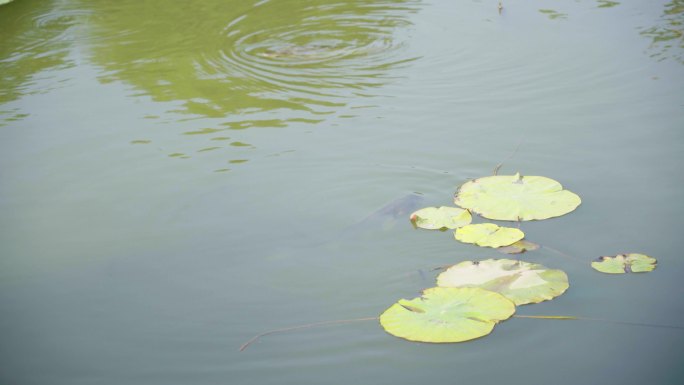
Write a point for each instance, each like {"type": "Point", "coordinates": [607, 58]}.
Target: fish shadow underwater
{"type": "Point", "coordinates": [392, 215]}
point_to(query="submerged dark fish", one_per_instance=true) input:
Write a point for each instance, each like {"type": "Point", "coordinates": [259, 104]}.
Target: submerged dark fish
{"type": "Point", "coordinates": [387, 216]}
{"type": "Point", "coordinates": [396, 209]}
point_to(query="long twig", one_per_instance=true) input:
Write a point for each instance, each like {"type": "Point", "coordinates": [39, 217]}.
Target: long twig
{"type": "Point", "coordinates": [498, 166]}
{"type": "Point", "coordinates": [650, 325]}
{"type": "Point", "coordinates": [558, 317]}
{"type": "Point", "coordinates": [565, 317]}
{"type": "Point", "coordinates": [545, 317]}
{"type": "Point", "coordinates": [311, 325]}
{"type": "Point", "coordinates": [576, 259]}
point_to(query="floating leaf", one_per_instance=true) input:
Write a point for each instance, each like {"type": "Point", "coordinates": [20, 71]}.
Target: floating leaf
{"type": "Point", "coordinates": [488, 235]}
{"type": "Point", "coordinates": [437, 218]}
{"type": "Point", "coordinates": [521, 282]}
{"type": "Point", "coordinates": [519, 247]}
{"type": "Point", "coordinates": [447, 315]}
{"type": "Point", "coordinates": [516, 198]}
{"type": "Point", "coordinates": [625, 263]}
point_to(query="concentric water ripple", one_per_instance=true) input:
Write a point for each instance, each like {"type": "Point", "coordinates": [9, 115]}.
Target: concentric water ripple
{"type": "Point", "coordinates": [300, 58]}
{"type": "Point", "coordinates": [35, 37]}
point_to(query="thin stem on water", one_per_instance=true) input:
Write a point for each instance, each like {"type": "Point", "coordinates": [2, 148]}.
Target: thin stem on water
{"type": "Point", "coordinates": [307, 326]}
{"type": "Point", "coordinates": [547, 317]}
{"type": "Point", "coordinates": [566, 317]}
{"type": "Point", "coordinates": [576, 259]}
{"type": "Point", "coordinates": [556, 317]}
{"type": "Point", "coordinates": [498, 166]}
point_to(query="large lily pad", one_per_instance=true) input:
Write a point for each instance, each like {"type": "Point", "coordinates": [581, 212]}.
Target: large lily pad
{"type": "Point", "coordinates": [625, 263]}
{"type": "Point", "coordinates": [521, 282]}
{"type": "Point", "coordinates": [443, 315]}
{"type": "Point", "coordinates": [488, 235]}
{"type": "Point", "coordinates": [516, 197]}
{"type": "Point", "coordinates": [438, 218]}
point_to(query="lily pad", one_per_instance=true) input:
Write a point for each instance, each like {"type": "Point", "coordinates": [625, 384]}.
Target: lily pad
{"type": "Point", "coordinates": [516, 197]}
{"type": "Point", "coordinates": [519, 247]}
{"type": "Point", "coordinates": [625, 263]}
{"type": "Point", "coordinates": [438, 218]}
{"type": "Point", "coordinates": [488, 235]}
{"type": "Point", "coordinates": [444, 314]}
{"type": "Point", "coordinates": [521, 282]}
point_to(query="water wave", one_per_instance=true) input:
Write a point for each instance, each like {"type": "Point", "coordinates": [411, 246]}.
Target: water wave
{"type": "Point", "coordinates": [226, 58]}
{"type": "Point", "coordinates": [36, 37]}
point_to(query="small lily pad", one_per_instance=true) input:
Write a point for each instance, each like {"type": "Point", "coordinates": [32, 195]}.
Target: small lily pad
{"type": "Point", "coordinates": [438, 218]}
{"type": "Point", "coordinates": [625, 263]}
{"type": "Point", "coordinates": [444, 314]}
{"type": "Point", "coordinates": [516, 197]}
{"type": "Point", "coordinates": [521, 282]}
{"type": "Point", "coordinates": [488, 235]}
{"type": "Point", "coordinates": [519, 247]}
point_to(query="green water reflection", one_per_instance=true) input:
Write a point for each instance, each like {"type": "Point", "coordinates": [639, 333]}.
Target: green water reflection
{"type": "Point", "coordinates": [552, 14]}
{"type": "Point", "coordinates": [607, 3]}
{"type": "Point", "coordinates": [667, 36]}
{"type": "Point", "coordinates": [33, 39]}
{"type": "Point", "coordinates": [255, 63]}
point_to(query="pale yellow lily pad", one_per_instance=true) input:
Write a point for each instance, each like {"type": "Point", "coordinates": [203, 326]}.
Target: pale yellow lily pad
{"type": "Point", "coordinates": [439, 218]}
{"type": "Point", "coordinates": [488, 235]}
{"type": "Point", "coordinates": [516, 197]}
{"type": "Point", "coordinates": [521, 282]}
{"type": "Point", "coordinates": [444, 314]}
{"type": "Point", "coordinates": [625, 263]}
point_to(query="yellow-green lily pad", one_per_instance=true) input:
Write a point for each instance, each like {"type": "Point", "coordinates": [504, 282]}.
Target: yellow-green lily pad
{"type": "Point", "coordinates": [488, 235]}
{"type": "Point", "coordinates": [521, 282]}
{"type": "Point", "coordinates": [516, 197]}
{"type": "Point", "coordinates": [625, 263]}
{"type": "Point", "coordinates": [519, 247]}
{"type": "Point", "coordinates": [444, 314]}
{"type": "Point", "coordinates": [439, 218]}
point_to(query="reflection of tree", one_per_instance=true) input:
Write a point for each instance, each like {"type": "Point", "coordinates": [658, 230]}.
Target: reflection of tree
{"type": "Point", "coordinates": [203, 54]}
{"type": "Point", "coordinates": [667, 38]}
{"type": "Point", "coordinates": [30, 42]}
{"type": "Point", "coordinates": [607, 3]}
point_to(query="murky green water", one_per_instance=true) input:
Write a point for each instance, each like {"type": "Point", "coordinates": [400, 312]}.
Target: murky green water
{"type": "Point", "coordinates": [178, 177]}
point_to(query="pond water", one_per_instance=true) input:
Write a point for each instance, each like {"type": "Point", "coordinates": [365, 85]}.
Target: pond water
{"type": "Point", "coordinates": [176, 178]}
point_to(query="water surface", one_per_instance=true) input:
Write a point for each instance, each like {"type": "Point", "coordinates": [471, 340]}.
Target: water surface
{"type": "Point", "coordinates": [178, 178]}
